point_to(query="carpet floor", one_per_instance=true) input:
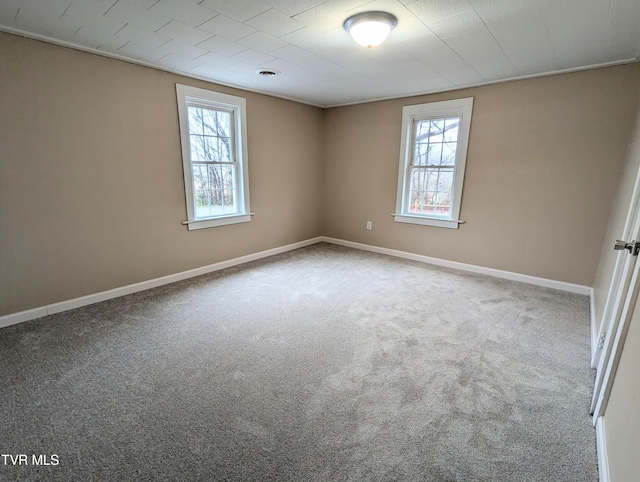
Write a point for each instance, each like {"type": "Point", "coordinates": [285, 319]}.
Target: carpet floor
{"type": "Point", "coordinates": [324, 363]}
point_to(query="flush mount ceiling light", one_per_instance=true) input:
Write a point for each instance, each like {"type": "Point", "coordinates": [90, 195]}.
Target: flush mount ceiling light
{"type": "Point", "coordinates": [370, 28]}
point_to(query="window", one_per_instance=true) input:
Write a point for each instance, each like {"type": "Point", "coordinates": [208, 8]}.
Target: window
{"type": "Point", "coordinates": [432, 158]}
{"type": "Point", "coordinates": [214, 157]}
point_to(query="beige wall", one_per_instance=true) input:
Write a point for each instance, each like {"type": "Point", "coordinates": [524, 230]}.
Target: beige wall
{"type": "Point", "coordinates": [615, 228]}
{"type": "Point", "coordinates": [91, 185]}
{"type": "Point", "coordinates": [544, 160]}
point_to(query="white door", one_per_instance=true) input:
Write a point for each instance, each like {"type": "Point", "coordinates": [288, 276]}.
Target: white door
{"type": "Point", "coordinates": [619, 306]}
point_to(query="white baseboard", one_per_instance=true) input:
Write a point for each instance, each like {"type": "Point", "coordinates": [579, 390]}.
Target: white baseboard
{"type": "Point", "coordinates": [27, 315]}
{"type": "Point", "coordinates": [594, 330]}
{"type": "Point", "coordinates": [523, 278]}
{"type": "Point", "coordinates": [601, 448]}
{"type": "Point", "coordinates": [15, 318]}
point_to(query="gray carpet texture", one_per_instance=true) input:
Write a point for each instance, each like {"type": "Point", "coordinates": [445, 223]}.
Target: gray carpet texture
{"type": "Point", "coordinates": [320, 364]}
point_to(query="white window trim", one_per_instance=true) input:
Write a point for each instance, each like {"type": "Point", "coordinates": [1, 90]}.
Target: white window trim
{"type": "Point", "coordinates": [433, 110]}
{"type": "Point", "coordinates": [187, 96]}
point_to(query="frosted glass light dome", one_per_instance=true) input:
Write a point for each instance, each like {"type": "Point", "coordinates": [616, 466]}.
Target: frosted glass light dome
{"type": "Point", "coordinates": [370, 28]}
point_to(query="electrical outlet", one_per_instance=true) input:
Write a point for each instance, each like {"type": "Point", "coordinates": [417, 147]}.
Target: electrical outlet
{"type": "Point", "coordinates": [369, 225]}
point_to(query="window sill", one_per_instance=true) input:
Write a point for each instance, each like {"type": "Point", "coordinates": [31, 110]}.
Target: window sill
{"type": "Point", "coordinates": [425, 221]}
{"type": "Point", "coordinates": [218, 221]}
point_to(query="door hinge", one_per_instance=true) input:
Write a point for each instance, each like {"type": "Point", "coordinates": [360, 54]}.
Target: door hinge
{"type": "Point", "coordinates": [633, 247]}
{"type": "Point", "coordinates": [601, 340]}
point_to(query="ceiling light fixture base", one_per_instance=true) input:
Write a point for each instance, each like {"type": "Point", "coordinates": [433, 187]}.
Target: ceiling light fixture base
{"type": "Point", "coordinates": [370, 28]}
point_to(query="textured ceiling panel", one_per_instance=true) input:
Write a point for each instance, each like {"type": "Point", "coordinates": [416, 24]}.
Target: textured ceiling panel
{"type": "Point", "coordinates": [131, 13]}
{"type": "Point", "coordinates": [274, 23]}
{"type": "Point", "coordinates": [184, 11]}
{"type": "Point", "coordinates": [433, 10]}
{"type": "Point", "coordinates": [263, 42]}
{"type": "Point", "coordinates": [183, 32]}
{"type": "Point", "coordinates": [437, 44]}
{"type": "Point", "coordinates": [227, 27]}
{"type": "Point", "coordinates": [235, 9]}
{"type": "Point", "coordinates": [295, 7]}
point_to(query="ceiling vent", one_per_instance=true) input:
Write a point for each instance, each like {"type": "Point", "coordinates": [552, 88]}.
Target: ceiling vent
{"type": "Point", "coordinates": [267, 72]}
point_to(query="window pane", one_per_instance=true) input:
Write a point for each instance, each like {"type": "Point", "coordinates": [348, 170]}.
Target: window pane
{"type": "Point", "coordinates": [227, 173]}
{"type": "Point", "coordinates": [436, 130]}
{"type": "Point", "coordinates": [416, 206]}
{"type": "Point", "coordinates": [451, 128]}
{"type": "Point", "coordinates": [216, 202]}
{"type": "Point", "coordinates": [431, 179]}
{"type": "Point", "coordinates": [429, 204]}
{"type": "Point", "coordinates": [449, 153]}
{"type": "Point", "coordinates": [422, 131]}
{"type": "Point", "coordinates": [195, 120]}
{"type": "Point", "coordinates": [210, 135]}
{"type": "Point", "coordinates": [420, 154]}
{"type": "Point", "coordinates": [224, 124]}
{"type": "Point", "coordinates": [418, 179]}
{"type": "Point", "coordinates": [215, 176]}
{"type": "Point", "coordinates": [209, 202]}
{"type": "Point", "coordinates": [224, 149]}
{"type": "Point", "coordinates": [435, 153]}
{"type": "Point", "coordinates": [229, 201]}
{"type": "Point", "coordinates": [445, 186]}
{"type": "Point", "coordinates": [204, 149]}
{"type": "Point", "coordinates": [210, 145]}
{"type": "Point", "coordinates": [202, 202]}
{"type": "Point", "coordinates": [442, 204]}
{"type": "Point", "coordinates": [197, 148]}
{"type": "Point", "coordinates": [430, 190]}
{"type": "Point", "coordinates": [423, 190]}
{"type": "Point", "coordinates": [445, 180]}
{"type": "Point", "coordinates": [414, 201]}
{"type": "Point", "coordinates": [200, 177]}
{"type": "Point", "coordinates": [422, 202]}
{"type": "Point", "coordinates": [209, 122]}
{"type": "Point", "coordinates": [228, 189]}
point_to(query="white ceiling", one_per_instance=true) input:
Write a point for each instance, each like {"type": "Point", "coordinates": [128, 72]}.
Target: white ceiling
{"type": "Point", "coordinates": [438, 44]}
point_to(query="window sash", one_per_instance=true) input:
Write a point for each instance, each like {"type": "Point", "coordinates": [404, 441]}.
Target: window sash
{"type": "Point", "coordinates": [199, 211]}
{"type": "Point", "coordinates": [413, 167]}
{"type": "Point", "coordinates": [435, 191]}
